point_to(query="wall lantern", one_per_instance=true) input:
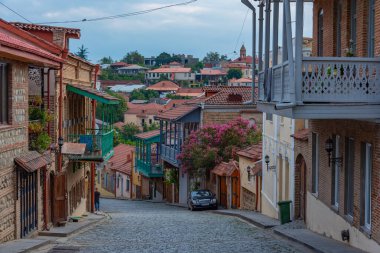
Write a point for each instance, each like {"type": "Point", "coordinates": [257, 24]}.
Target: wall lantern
{"type": "Point", "coordinates": [329, 147]}
{"type": "Point", "coordinates": [60, 143]}
{"type": "Point", "coordinates": [249, 170]}
{"type": "Point", "coordinates": [266, 159]}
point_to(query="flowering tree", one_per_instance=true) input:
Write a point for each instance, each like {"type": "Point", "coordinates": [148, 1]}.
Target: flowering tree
{"type": "Point", "coordinates": [212, 144]}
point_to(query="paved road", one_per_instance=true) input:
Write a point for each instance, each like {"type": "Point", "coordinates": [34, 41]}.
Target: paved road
{"type": "Point", "coordinates": [137, 226]}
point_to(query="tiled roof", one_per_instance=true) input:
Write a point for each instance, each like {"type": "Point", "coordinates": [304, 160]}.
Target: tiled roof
{"type": "Point", "coordinates": [241, 80]}
{"type": "Point", "coordinates": [119, 161]}
{"type": "Point", "coordinates": [257, 169]}
{"type": "Point", "coordinates": [133, 66]}
{"type": "Point", "coordinates": [224, 169]}
{"type": "Point", "coordinates": [212, 72]}
{"type": "Point", "coordinates": [32, 160]}
{"type": "Point", "coordinates": [302, 135]}
{"type": "Point", "coordinates": [120, 64]}
{"type": "Point", "coordinates": [8, 40]}
{"type": "Point", "coordinates": [116, 82]}
{"type": "Point", "coordinates": [253, 152]}
{"type": "Point", "coordinates": [247, 59]}
{"type": "Point", "coordinates": [230, 96]}
{"type": "Point", "coordinates": [176, 112]}
{"type": "Point", "coordinates": [47, 28]}
{"type": "Point", "coordinates": [170, 70]}
{"type": "Point", "coordinates": [189, 92]}
{"type": "Point", "coordinates": [148, 135]}
{"type": "Point", "coordinates": [164, 86]}
{"type": "Point", "coordinates": [196, 100]}
{"type": "Point", "coordinates": [175, 103]}
{"type": "Point", "coordinates": [94, 92]}
{"type": "Point", "coordinates": [144, 109]}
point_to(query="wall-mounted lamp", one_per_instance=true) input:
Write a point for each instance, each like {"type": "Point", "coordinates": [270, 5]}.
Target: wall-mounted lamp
{"type": "Point", "coordinates": [60, 143]}
{"type": "Point", "coordinates": [249, 170]}
{"type": "Point", "coordinates": [266, 159]}
{"type": "Point", "coordinates": [329, 147]}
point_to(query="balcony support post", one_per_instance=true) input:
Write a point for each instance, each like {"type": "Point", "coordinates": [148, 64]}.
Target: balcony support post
{"type": "Point", "coordinates": [289, 43]}
{"type": "Point", "coordinates": [275, 32]}
{"type": "Point", "coordinates": [267, 33]}
{"type": "Point", "coordinates": [298, 56]}
{"type": "Point", "coordinates": [261, 27]}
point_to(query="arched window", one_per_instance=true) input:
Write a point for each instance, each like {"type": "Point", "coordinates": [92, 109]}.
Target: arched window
{"type": "Point", "coordinates": [320, 32]}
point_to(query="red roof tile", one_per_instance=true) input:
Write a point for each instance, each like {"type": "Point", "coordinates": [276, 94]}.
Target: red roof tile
{"type": "Point", "coordinates": [226, 169]}
{"type": "Point", "coordinates": [47, 28]}
{"type": "Point", "coordinates": [230, 96]}
{"type": "Point", "coordinates": [170, 70]}
{"type": "Point", "coordinates": [213, 72]}
{"type": "Point", "coordinates": [120, 64]}
{"type": "Point", "coordinates": [144, 109]}
{"type": "Point", "coordinates": [32, 160]}
{"type": "Point", "coordinates": [253, 152]}
{"type": "Point", "coordinates": [119, 161]}
{"type": "Point", "coordinates": [302, 135]}
{"type": "Point", "coordinates": [164, 86]}
{"type": "Point", "coordinates": [189, 92]}
{"type": "Point", "coordinates": [176, 112]}
{"type": "Point", "coordinates": [148, 135]}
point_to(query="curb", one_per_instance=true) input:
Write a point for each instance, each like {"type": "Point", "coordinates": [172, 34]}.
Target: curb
{"type": "Point", "coordinates": [278, 232]}
{"type": "Point", "coordinates": [176, 205]}
{"type": "Point", "coordinates": [253, 222]}
{"type": "Point", "coordinates": [42, 244]}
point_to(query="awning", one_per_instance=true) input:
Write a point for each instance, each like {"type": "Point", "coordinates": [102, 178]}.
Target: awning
{"type": "Point", "coordinates": [226, 169]}
{"type": "Point", "coordinates": [32, 160]}
{"type": "Point", "coordinates": [89, 92]}
{"type": "Point", "coordinates": [69, 148]}
{"type": "Point", "coordinates": [257, 170]}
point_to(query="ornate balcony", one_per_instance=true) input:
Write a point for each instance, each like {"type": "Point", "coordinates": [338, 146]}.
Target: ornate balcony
{"type": "Point", "coordinates": [99, 145]}
{"type": "Point", "coordinates": [330, 87]}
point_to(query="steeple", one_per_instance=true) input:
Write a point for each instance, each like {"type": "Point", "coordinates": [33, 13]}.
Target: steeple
{"type": "Point", "coordinates": [243, 52]}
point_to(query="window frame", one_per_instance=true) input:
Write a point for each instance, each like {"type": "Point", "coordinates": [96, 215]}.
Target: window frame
{"type": "Point", "coordinates": [366, 184]}
{"type": "Point", "coordinates": [4, 94]}
{"type": "Point", "coordinates": [335, 174]}
{"type": "Point", "coordinates": [315, 163]}
{"type": "Point", "coordinates": [349, 176]}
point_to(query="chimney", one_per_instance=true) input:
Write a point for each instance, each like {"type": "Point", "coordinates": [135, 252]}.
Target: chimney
{"type": "Point", "coordinates": [233, 97]}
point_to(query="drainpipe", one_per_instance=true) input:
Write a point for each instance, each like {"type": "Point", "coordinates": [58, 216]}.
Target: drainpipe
{"type": "Point", "coordinates": [257, 192]}
{"type": "Point", "coordinates": [60, 115]}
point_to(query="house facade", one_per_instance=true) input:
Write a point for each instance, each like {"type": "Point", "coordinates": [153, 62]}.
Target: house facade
{"type": "Point", "coordinates": [171, 73]}
{"type": "Point", "coordinates": [336, 176]}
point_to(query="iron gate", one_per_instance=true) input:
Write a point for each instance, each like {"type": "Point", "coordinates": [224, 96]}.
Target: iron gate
{"type": "Point", "coordinates": [28, 201]}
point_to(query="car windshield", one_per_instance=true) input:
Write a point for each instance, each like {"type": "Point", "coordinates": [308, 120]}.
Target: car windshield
{"type": "Point", "coordinates": [200, 194]}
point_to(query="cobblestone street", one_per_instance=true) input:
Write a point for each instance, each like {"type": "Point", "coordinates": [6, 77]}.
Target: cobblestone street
{"type": "Point", "coordinates": [136, 226]}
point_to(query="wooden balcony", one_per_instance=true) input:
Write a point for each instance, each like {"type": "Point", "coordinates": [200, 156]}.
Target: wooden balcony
{"type": "Point", "coordinates": [169, 154]}
{"type": "Point", "coordinates": [330, 87]}
{"type": "Point", "coordinates": [99, 145]}
{"type": "Point", "coordinates": [149, 169]}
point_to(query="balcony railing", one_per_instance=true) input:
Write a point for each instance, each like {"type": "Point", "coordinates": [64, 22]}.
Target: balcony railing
{"type": "Point", "coordinates": [148, 169]}
{"type": "Point", "coordinates": [169, 154]}
{"type": "Point", "coordinates": [324, 80]}
{"type": "Point", "coordinates": [99, 144]}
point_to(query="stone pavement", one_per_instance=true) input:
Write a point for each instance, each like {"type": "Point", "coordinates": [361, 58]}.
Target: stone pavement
{"type": "Point", "coordinates": [295, 231]}
{"type": "Point", "coordinates": [23, 245]}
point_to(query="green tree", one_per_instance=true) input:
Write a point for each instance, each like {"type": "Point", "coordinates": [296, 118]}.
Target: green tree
{"type": "Point", "coordinates": [197, 67]}
{"type": "Point", "coordinates": [234, 73]}
{"type": "Point", "coordinates": [211, 57]}
{"type": "Point", "coordinates": [163, 58]}
{"type": "Point", "coordinates": [133, 57]}
{"type": "Point", "coordinates": [82, 52]}
{"type": "Point", "coordinates": [106, 60]}
{"type": "Point", "coordinates": [141, 94]}
{"type": "Point", "coordinates": [151, 127]}
{"type": "Point", "coordinates": [129, 131]}
{"type": "Point", "coordinates": [113, 113]}
{"type": "Point", "coordinates": [176, 58]}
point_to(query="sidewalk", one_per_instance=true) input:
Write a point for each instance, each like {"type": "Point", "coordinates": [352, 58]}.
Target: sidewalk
{"type": "Point", "coordinates": [47, 237]}
{"type": "Point", "coordinates": [295, 231]}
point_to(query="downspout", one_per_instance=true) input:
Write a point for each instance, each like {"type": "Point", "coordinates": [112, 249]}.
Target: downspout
{"type": "Point", "coordinates": [60, 115]}
{"type": "Point", "coordinates": [253, 55]}
{"type": "Point", "coordinates": [257, 192]}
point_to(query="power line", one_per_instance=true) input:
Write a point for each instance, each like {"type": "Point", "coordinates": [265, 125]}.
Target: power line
{"type": "Point", "coordinates": [119, 15]}
{"type": "Point", "coordinates": [241, 31]}
{"type": "Point", "coordinates": [15, 12]}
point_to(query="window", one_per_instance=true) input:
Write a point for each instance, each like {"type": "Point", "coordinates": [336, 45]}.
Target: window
{"type": "Point", "coordinates": [3, 94]}
{"type": "Point", "coordinates": [338, 29]}
{"type": "Point", "coordinates": [315, 162]}
{"type": "Point", "coordinates": [150, 121]}
{"type": "Point", "coordinates": [353, 27]}
{"type": "Point", "coordinates": [127, 183]}
{"type": "Point", "coordinates": [269, 116]}
{"type": "Point", "coordinates": [320, 33]}
{"type": "Point", "coordinates": [371, 29]}
{"type": "Point", "coordinates": [349, 177]}
{"type": "Point", "coordinates": [365, 191]}
{"type": "Point", "coordinates": [335, 174]}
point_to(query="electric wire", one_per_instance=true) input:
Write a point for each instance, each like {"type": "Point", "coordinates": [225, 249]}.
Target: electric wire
{"type": "Point", "coordinates": [241, 31]}
{"type": "Point", "coordinates": [15, 12]}
{"type": "Point", "coordinates": [119, 15]}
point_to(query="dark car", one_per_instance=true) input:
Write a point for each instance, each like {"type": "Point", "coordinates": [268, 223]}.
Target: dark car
{"type": "Point", "coordinates": [201, 199]}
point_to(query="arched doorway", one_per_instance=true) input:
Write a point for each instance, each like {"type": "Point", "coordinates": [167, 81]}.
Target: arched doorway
{"type": "Point", "coordinates": [300, 188]}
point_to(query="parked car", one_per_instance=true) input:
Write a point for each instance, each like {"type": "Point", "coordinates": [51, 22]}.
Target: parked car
{"type": "Point", "coordinates": [201, 199]}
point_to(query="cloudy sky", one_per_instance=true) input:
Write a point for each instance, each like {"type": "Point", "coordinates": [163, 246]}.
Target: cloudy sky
{"type": "Point", "coordinates": [197, 28]}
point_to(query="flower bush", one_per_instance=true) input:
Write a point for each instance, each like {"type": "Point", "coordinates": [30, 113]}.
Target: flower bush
{"type": "Point", "coordinates": [215, 143]}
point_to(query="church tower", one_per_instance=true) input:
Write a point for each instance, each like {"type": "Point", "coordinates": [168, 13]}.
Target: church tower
{"type": "Point", "coordinates": [243, 52]}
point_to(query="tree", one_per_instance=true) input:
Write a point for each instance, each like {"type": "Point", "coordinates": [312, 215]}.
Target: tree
{"type": "Point", "coordinates": [175, 58]}
{"type": "Point", "coordinates": [133, 57]}
{"type": "Point", "coordinates": [151, 127]}
{"type": "Point", "coordinates": [106, 60]}
{"type": "Point", "coordinates": [212, 144]}
{"type": "Point", "coordinates": [129, 131]}
{"type": "Point", "coordinates": [82, 52]}
{"type": "Point", "coordinates": [211, 57]}
{"type": "Point", "coordinates": [112, 113]}
{"type": "Point", "coordinates": [234, 73]}
{"type": "Point", "coordinates": [163, 58]}
{"type": "Point", "coordinates": [197, 67]}
{"type": "Point", "coordinates": [141, 94]}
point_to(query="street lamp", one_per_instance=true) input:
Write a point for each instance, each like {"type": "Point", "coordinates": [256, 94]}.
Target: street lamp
{"type": "Point", "coordinates": [249, 170]}
{"type": "Point", "coordinates": [252, 8]}
{"type": "Point", "coordinates": [329, 147]}
{"type": "Point", "coordinates": [60, 143]}
{"type": "Point", "coordinates": [266, 159]}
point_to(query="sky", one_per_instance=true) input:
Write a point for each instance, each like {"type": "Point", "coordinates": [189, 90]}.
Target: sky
{"type": "Point", "coordinates": [194, 29]}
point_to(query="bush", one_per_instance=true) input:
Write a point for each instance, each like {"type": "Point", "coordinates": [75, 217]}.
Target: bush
{"type": "Point", "coordinates": [41, 142]}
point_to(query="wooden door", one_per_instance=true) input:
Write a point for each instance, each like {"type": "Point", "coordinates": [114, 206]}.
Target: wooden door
{"type": "Point", "coordinates": [223, 191]}
{"type": "Point", "coordinates": [235, 192]}
{"type": "Point", "coordinates": [60, 198]}
{"type": "Point", "coordinates": [303, 190]}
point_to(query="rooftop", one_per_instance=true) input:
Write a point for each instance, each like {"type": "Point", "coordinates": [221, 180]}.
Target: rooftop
{"type": "Point", "coordinates": [252, 152]}
{"type": "Point", "coordinates": [148, 135]}
{"type": "Point", "coordinates": [176, 113]}
{"type": "Point", "coordinates": [144, 109]}
{"type": "Point", "coordinates": [164, 86]}
{"type": "Point", "coordinates": [224, 169]}
{"type": "Point", "coordinates": [47, 28]}
{"type": "Point", "coordinates": [170, 70]}
{"type": "Point", "coordinates": [230, 96]}
{"type": "Point", "coordinates": [211, 72]}
{"type": "Point", "coordinates": [122, 159]}
{"type": "Point", "coordinates": [189, 92]}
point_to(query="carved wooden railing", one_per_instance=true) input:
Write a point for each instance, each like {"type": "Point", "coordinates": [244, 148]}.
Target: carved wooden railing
{"type": "Point", "coordinates": [325, 80]}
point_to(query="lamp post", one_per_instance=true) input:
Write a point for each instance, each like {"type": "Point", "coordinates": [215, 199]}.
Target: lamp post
{"type": "Point", "coordinates": [267, 160]}
{"type": "Point", "coordinates": [253, 9]}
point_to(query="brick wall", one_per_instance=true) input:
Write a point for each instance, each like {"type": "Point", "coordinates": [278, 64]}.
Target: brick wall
{"type": "Point", "coordinates": [330, 20]}
{"type": "Point", "coordinates": [224, 116]}
{"type": "Point", "coordinates": [361, 131]}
